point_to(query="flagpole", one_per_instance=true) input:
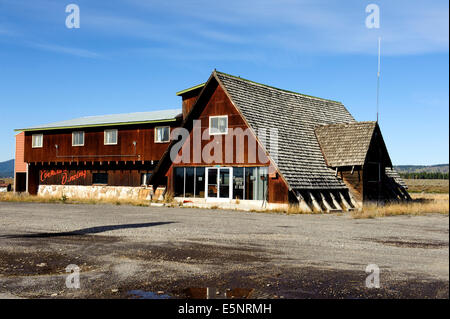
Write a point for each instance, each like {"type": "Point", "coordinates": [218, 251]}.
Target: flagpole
{"type": "Point", "coordinates": [378, 75]}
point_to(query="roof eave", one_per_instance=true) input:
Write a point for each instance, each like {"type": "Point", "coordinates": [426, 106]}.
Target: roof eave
{"type": "Point", "coordinates": [190, 89]}
{"type": "Point", "coordinates": [33, 129]}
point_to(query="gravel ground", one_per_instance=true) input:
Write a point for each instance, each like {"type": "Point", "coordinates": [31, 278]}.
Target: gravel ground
{"type": "Point", "coordinates": [159, 252]}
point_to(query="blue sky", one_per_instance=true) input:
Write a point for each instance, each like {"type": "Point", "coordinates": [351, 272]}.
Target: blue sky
{"type": "Point", "coordinates": [131, 56]}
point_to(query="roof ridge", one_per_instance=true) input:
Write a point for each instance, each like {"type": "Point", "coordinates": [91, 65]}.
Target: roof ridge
{"type": "Point", "coordinates": [275, 88]}
{"type": "Point", "coordinates": [348, 123]}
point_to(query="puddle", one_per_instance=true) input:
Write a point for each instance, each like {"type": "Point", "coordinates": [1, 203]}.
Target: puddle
{"type": "Point", "coordinates": [141, 294]}
{"type": "Point", "coordinates": [212, 293]}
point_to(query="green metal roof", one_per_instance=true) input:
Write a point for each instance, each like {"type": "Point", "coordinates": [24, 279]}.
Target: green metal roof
{"type": "Point", "coordinates": [190, 89]}
{"type": "Point", "coordinates": [110, 120]}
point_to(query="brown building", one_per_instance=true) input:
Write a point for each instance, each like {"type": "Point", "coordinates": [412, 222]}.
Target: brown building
{"type": "Point", "coordinates": [235, 143]}
{"type": "Point", "coordinates": [97, 156]}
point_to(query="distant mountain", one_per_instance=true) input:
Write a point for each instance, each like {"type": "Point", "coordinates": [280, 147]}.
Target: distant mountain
{"type": "Point", "coordinates": [7, 169]}
{"type": "Point", "coordinates": [441, 168]}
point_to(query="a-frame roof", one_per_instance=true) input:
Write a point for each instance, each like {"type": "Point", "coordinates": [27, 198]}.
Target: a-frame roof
{"type": "Point", "coordinates": [299, 157]}
{"type": "Point", "coordinates": [345, 144]}
{"type": "Point", "coordinates": [295, 115]}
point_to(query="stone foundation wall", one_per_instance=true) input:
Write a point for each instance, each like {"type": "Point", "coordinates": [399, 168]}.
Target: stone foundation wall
{"type": "Point", "coordinates": [96, 192]}
{"type": "Point", "coordinates": [247, 205]}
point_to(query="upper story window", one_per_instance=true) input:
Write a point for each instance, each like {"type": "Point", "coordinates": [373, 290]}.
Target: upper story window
{"type": "Point", "coordinates": [218, 125]}
{"type": "Point", "coordinates": [111, 137]}
{"type": "Point", "coordinates": [78, 138]}
{"type": "Point", "coordinates": [162, 134]}
{"type": "Point", "coordinates": [37, 140]}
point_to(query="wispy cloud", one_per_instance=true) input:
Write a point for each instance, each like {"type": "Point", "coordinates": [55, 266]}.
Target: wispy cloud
{"type": "Point", "coordinates": [205, 55]}
{"type": "Point", "coordinates": [220, 36]}
{"type": "Point", "coordinates": [407, 27]}
{"type": "Point", "coordinates": [285, 26]}
{"type": "Point", "coordinates": [64, 50]}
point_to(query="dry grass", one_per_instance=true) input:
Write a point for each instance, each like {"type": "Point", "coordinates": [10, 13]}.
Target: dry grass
{"type": "Point", "coordinates": [294, 209]}
{"type": "Point", "coordinates": [438, 186]}
{"type": "Point", "coordinates": [168, 198]}
{"type": "Point", "coordinates": [11, 197]}
{"type": "Point", "coordinates": [8, 180]}
{"type": "Point", "coordinates": [423, 204]}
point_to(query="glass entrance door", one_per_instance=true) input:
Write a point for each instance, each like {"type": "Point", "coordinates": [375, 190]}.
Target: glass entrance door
{"type": "Point", "coordinates": [218, 184]}
{"type": "Point", "coordinates": [224, 183]}
{"type": "Point", "coordinates": [211, 184]}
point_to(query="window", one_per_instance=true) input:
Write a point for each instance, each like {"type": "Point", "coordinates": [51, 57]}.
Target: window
{"type": "Point", "coordinates": [238, 183]}
{"type": "Point", "coordinates": [218, 125]}
{"type": "Point", "coordinates": [110, 137]}
{"type": "Point", "coordinates": [100, 178]}
{"type": "Point", "coordinates": [199, 182]}
{"type": "Point", "coordinates": [189, 181]}
{"type": "Point", "coordinates": [178, 175]}
{"type": "Point", "coordinates": [255, 183]}
{"type": "Point", "coordinates": [162, 134]}
{"type": "Point", "coordinates": [37, 140]}
{"type": "Point", "coordinates": [248, 183]}
{"type": "Point", "coordinates": [78, 138]}
{"type": "Point", "coordinates": [145, 178]}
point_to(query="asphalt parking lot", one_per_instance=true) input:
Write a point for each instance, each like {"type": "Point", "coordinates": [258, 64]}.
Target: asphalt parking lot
{"type": "Point", "coordinates": [159, 252]}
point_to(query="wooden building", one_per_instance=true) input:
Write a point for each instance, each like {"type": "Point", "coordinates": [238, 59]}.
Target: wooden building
{"type": "Point", "coordinates": [105, 151]}
{"type": "Point", "coordinates": [315, 163]}
{"type": "Point", "coordinates": [286, 148]}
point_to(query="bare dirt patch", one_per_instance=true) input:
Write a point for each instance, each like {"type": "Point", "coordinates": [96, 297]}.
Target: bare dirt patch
{"type": "Point", "coordinates": [39, 263]}
{"type": "Point", "coordinates": [195, 253]}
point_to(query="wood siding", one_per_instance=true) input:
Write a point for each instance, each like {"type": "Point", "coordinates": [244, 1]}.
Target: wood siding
{"type": "Point", "coordinates": [375, 178]}
{"type": "Point", "coordinates": [119, 174]}
{"type": "Point", "coordinates": [188, 100]}
{"type": "Point", "coordinates": [278, 190]}
{"type": "Point", "coordinates": [217, 103]}
{"type": "Point", "coordinates": [85, 177]}
{"type": "Point", "coordinates": [220, 104]}
{"type": "Point", "coordinates": [354, 182]}
{"type": "Point", "coordinates": [94, 149]}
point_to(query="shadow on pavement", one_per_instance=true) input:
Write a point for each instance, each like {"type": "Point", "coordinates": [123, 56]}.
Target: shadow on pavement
{"type": "Point", "coordinates": [85, 231]}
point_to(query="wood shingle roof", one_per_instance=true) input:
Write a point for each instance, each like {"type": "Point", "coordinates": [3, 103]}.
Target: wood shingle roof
{"type": "Point", "coordinates": [295, 115]}
{"type": "Point", "coordinates": [345, 144]}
